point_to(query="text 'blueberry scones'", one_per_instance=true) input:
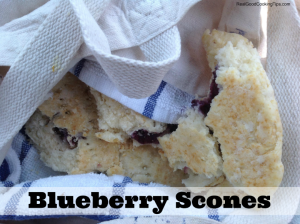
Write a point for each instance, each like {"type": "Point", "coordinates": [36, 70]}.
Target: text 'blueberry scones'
{"type": "Point", "coordinates": [233, 135]}
{"type": "Point", "coordinates": [64, 130]}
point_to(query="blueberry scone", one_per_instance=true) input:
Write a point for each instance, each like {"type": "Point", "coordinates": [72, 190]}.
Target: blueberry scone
{"type": "Point", "coordinates": [233, 135]}
{"type": "Point", "coordinates": [117, 123]}
{"type": "Point", "coordinates": [194, 149]}
{"type": "Point", "coordinates": [250, 129]}
{"type": "Point", "coordinates": [240, 114]}
{"type": "Point", "coordinates": [64, 130]}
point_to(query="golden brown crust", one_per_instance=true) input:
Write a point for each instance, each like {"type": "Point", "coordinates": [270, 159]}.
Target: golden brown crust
{"type": "Point", "coordinates": [193, 147]}
{"type": "Point", "coordinates": [117, 122]}
{"type": "Point", "coordinates": [92, 154]}
{"type": "Point", "coordinates": [96, 155]}
{"type": "Point", "coordinates": [215, 40]}
{"type": "Point", "coordinates": [244, 115]}
{"type": "Point", "coordinates": [71, 106]}
{"type": "Point", "coordinates": [145, 165]}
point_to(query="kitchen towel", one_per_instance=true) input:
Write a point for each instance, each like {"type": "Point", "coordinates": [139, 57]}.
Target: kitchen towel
{"type": "Point", "coordinates": [182, 68]}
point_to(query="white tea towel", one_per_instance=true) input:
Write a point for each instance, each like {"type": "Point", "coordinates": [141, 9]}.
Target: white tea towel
{"type": "Point", "coordinates": [11, 10]}
{"type": "Point", "coordinates": [166, 105]}
{"type": "Point", "coordinates": [188, 75]}
{"type": "Point", "coordinates": [33, 175]}
{"type": "Point", "coordinates": [15, 200]}
{"type": "Point", "coordinates": [47, 57]}
{"type": "Point", "coordinates": [148, 25]}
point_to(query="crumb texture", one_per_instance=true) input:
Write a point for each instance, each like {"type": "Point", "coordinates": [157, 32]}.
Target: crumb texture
{"type": "Point", "coordinates": [71, 106]}
{"type": "Point", "coordinates": [117, 122]}
{"type": "Point", "coordinates": [244, 115]}
{"type": "Point", "coordinates": [216, 40]}
{"type": "Point", "coordinates": [92, 154]}
{"type": "Point", "coordinates": [145, 165]}
{"type": "Point", "coordinates": [192, 147]}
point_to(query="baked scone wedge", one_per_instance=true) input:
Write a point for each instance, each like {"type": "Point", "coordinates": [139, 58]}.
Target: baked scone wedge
{"type": "Point", "coordinates": [235, 132]}
{"type": "Point", "coordinates": [118, 123]}
{"type": "Point", "coordinates": [64, 129]}
{"type": "Point", "coordinates": [90, 153]}
{"type": "Point", "coordinates": [193, 148]}
{"type": "Point", "coordinates": [244, 115]}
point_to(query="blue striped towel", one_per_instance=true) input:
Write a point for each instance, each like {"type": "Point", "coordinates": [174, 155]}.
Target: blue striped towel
{"type": "Point", "coordinates": [166, 105]}
{"type": "Point", "coordinates": [23, 168]}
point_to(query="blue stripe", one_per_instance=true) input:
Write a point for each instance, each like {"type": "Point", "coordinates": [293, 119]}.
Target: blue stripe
{"type": "Point", "coordinates": [23, 132]}
{"type": "Point", "coordinates": [11, 206]}
{"type": "Point", "coordinates": [79, 67]}
{"type": "Point", "coordinates": [127, 180]}
{"type": "Point", "coordinates": [8, 184]}
{"type": "Point", "coordinates": [151, 103]}
{"type": "Point", "coordinates": [119, 189]}
{"type": "Point", "coordinates": [101, 218]}
{"type": "Point", "coordinates": [213, 214]}
{"type": "Point", "coordinates": [4, 171]}
{"type": "Point", "coordinates": [24, 150]}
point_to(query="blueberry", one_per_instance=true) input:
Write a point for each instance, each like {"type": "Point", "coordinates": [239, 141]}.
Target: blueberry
{"type": "Point", "coordinates": [64, 136]}
{"type": "Point", "coordinates": [203, 105]}
{"type": "Point", "coordinates": [61, 132]}
{"type": "Point", "coordinates": [144, 137]}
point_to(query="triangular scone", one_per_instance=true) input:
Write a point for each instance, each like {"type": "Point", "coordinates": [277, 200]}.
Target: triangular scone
{"type": "Point", "coordinates": [244, 115]}
{"type": "Point", "coordinates": [192, 148]}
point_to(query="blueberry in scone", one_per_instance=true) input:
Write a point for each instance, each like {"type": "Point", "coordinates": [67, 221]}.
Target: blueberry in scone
{"type": "Point", "coordinates": [242, 115]}
{"type": "Point", "coordinates": [117, 123]}
{"type": "Point", "coordinates": [64, 130]}
{"type": "Point", "coordinates": [234, 133]}
{"type": "Point", "coordinates": [194, 149]}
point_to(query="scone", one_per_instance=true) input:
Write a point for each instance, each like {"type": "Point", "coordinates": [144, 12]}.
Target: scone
{"type": "Point", "coordinates": [242, 114]}
{"type": "Point", "coordinates": [117, 123]}
{"type": "Point", "coordinates": [234, 133]}
{"type": "Point", "coordinates": [64, 129]}
{"type": "Point", "coordinates": [193, 148]}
